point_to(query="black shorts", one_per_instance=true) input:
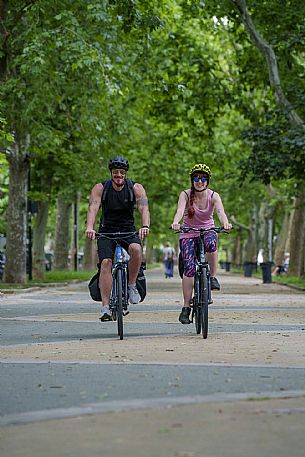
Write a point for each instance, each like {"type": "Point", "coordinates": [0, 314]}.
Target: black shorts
{"type": "Point", "coordinates": [106, 246]}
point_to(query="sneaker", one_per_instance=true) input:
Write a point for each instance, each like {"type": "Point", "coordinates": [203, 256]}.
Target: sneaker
{"type": "Point", "coordinates": [214, 283]}
{"type": "Point", "coordinates": [184, 317]}
{"type": "Point", "coordinates": [133, 294]}
{"type": "Point", "coordinates": [105, 314]}
{"type": "Point", "coordinates": [125, 312]}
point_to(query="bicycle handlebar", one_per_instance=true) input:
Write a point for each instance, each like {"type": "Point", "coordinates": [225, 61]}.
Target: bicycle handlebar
{"type": "Point", "coordinates": [201, 230]}
{"type": "Point", "coordinates": [115, 235]}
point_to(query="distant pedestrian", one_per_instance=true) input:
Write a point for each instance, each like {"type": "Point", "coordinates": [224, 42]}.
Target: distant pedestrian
{"type": "Point", "coordinates": [283, 268]}
{"type": "Point", "coordinates": [168, 259]}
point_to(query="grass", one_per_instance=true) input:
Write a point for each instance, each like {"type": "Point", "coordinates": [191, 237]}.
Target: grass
{"type": "Point", "coordinates": [289, 280]}
{"type": "Point", "coordinates": [65, 275]}
{"type": "Point", "coordinates": [58, 277]}
{"type": "Point", "coordinates": [68, 276]}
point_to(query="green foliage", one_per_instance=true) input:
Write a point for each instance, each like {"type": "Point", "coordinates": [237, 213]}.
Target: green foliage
{"type": "Point", "coordinates": [166, 84]}
{"type": "Point", "coordinates": [277, 152]}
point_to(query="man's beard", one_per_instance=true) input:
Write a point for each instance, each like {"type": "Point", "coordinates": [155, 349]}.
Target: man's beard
{"type": "Point", "coordinates": [120, 184]}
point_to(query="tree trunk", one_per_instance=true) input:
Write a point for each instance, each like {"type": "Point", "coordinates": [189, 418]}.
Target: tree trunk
{"type": "Point", "coordinates": [249, 251]}
{"type": "Point", "coordinates": [15, 268]}
{"type": "Point", "coordinates": [280, 248]}
{"type": "Point", "coordinates": [39, 235]}
{"type": "Point", "coordinates": [297, 236]}
{"type": "Point", "coordinates": [90, 255]}
{"type": "Point", "coordinates": [236, 252]}
{"type": "Point", "coordinates": [269, 54]}
{"type": "Point", "coordinates": [62, 234]}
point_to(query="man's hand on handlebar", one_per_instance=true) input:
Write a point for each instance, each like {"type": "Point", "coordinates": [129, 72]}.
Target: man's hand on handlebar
{"type": "Point", "coordinates": [90, 233]}
{"type": "Point", "coordinates": [143, 232]}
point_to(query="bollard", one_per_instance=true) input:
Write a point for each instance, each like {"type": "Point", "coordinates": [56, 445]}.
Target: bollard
{"type": "Point", "coordinates": [266, 271]}
{"type": "Point", "coordinates": [228, 266]}
{"type": "Point", "coordinates": [248, 267]}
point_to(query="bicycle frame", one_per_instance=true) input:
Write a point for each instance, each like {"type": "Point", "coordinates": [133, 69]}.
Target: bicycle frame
{"type": "Point", "coordinates": [202, 263]}
{"type": "Point", "coordinates": [119, 267]}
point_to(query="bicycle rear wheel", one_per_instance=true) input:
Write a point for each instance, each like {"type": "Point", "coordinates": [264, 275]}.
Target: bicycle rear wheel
{"type": "Point", "coordinates": [205, 304]}
{"type": "Point", "coordinates": [119, 310]}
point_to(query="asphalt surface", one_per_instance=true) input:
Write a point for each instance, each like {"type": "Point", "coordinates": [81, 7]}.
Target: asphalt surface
{"type": "Point", "coordinates": [163, 407]}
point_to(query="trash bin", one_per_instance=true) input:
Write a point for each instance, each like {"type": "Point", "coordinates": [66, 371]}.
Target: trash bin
{"type": "Point", "coordinates": [222, 264]}
{"type": "Point", "coordinates": [248, 268]}
{"type": "Point", "coordinates": [228, 266]}
{"type": "Point", "coordinates": [266, 270]}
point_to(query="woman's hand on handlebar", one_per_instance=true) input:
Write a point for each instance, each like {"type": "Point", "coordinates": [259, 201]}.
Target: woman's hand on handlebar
{"type": "Point", "coordinates": [227, 226]}
{"type": "Point", "coordinates": [90, 233]}
{"type": "Point", "coordinates": [175, 227]}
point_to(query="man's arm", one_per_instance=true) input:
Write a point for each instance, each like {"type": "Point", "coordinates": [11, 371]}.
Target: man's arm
{"type": "Point", "coordinates": [94, 205]}
{"type": "Point", "coordinates": [143, 208]}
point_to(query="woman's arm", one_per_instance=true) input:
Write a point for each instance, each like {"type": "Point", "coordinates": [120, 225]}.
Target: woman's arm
{"type": "Point", "coordinates": [216, 200]}
{"type": "Point", "coordinates": [180, 210]}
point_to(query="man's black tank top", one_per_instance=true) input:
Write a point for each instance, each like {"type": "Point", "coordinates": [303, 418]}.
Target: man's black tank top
{"type": "Point", "coordinates": [117, 211]}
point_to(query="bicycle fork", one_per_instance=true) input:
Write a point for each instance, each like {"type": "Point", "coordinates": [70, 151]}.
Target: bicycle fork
{"type": "Point", "coordinates": [116, 270]}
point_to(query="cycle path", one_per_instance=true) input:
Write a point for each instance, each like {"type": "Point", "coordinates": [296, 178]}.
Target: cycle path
{"type": "Point", "coordinates": [66, 377]}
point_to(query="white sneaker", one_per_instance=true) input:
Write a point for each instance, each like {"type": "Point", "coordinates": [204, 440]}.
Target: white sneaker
{"type": "Point", "coordinates": [133, 294]}
{"type": "Point", "coordinates": [105, 314]}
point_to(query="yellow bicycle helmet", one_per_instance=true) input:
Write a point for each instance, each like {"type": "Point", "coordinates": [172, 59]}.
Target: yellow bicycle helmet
{"type": "Point", "coordinates": [200, 168]}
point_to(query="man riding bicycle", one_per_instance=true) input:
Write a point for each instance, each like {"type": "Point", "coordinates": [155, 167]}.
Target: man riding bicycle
{"type": "Point", "coordinates": [117, 197]}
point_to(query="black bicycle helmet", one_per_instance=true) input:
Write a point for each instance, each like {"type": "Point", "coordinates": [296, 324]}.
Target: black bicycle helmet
{"type": "Point", "coordinates": [118, 162]}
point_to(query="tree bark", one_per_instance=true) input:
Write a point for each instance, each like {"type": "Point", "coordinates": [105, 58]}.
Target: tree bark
{"type": "Point", "coordinates": [297, 236]}
{"type": "Point", "coordinates": [249, 252]}
{"type": "Point", "coordinates": [16, 252]}
{"type": "Point", "coordinates": [90, 255]}
{"type": "Point", "coordinates": [280, 248]}
{"type": "Point", "coordinates": [4, 37]}
{"type": "Point", "coordinates": [62, 234]}
{"type": "Point", "coordinates": [39, 235]}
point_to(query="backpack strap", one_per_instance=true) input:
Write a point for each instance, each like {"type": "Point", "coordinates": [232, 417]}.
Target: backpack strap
{"type": "Point", "coordinates": [106, 186]}
{"type": "Point", "coordinates": [130, 185]}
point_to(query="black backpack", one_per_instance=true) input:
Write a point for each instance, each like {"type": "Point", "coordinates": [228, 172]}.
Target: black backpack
{"type": "Point", "coordinates": [95, 292]}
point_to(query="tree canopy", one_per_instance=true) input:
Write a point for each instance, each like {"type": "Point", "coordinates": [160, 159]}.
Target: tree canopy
{"type": "Point", "coordinates": [166, 84]}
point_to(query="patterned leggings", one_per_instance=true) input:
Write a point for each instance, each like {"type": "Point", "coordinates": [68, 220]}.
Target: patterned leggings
{"type": "Point", "coordinates": [187, 249]}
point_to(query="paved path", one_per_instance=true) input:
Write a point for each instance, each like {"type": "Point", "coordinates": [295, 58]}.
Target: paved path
{"type": "Point", "coordinates": [70, 387]}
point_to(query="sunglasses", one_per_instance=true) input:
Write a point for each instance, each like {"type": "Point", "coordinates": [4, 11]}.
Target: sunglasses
{"type": "Point", "coordinates": [197, 178]}
{"type": "Point", "coordinates": [119, 172]}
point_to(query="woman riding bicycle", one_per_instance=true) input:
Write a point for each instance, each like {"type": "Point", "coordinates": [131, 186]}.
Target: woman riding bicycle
{"type": "Point", "coordinates": [196, 206]}
{"type": "Point", "coordinates": [117, 197]}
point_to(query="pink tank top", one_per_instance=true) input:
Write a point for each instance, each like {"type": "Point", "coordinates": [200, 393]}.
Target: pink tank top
{"type": "Point", "coordinates": [203, 218]}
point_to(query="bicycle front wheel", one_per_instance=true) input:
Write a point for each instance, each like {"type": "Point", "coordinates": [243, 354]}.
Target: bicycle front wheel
{"type": "Point", "coordinates": [205, 303]}
{"type": "Point", "coordinates": [196, 306]}
{"type": "Point", "coordinates": [119, 310]}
